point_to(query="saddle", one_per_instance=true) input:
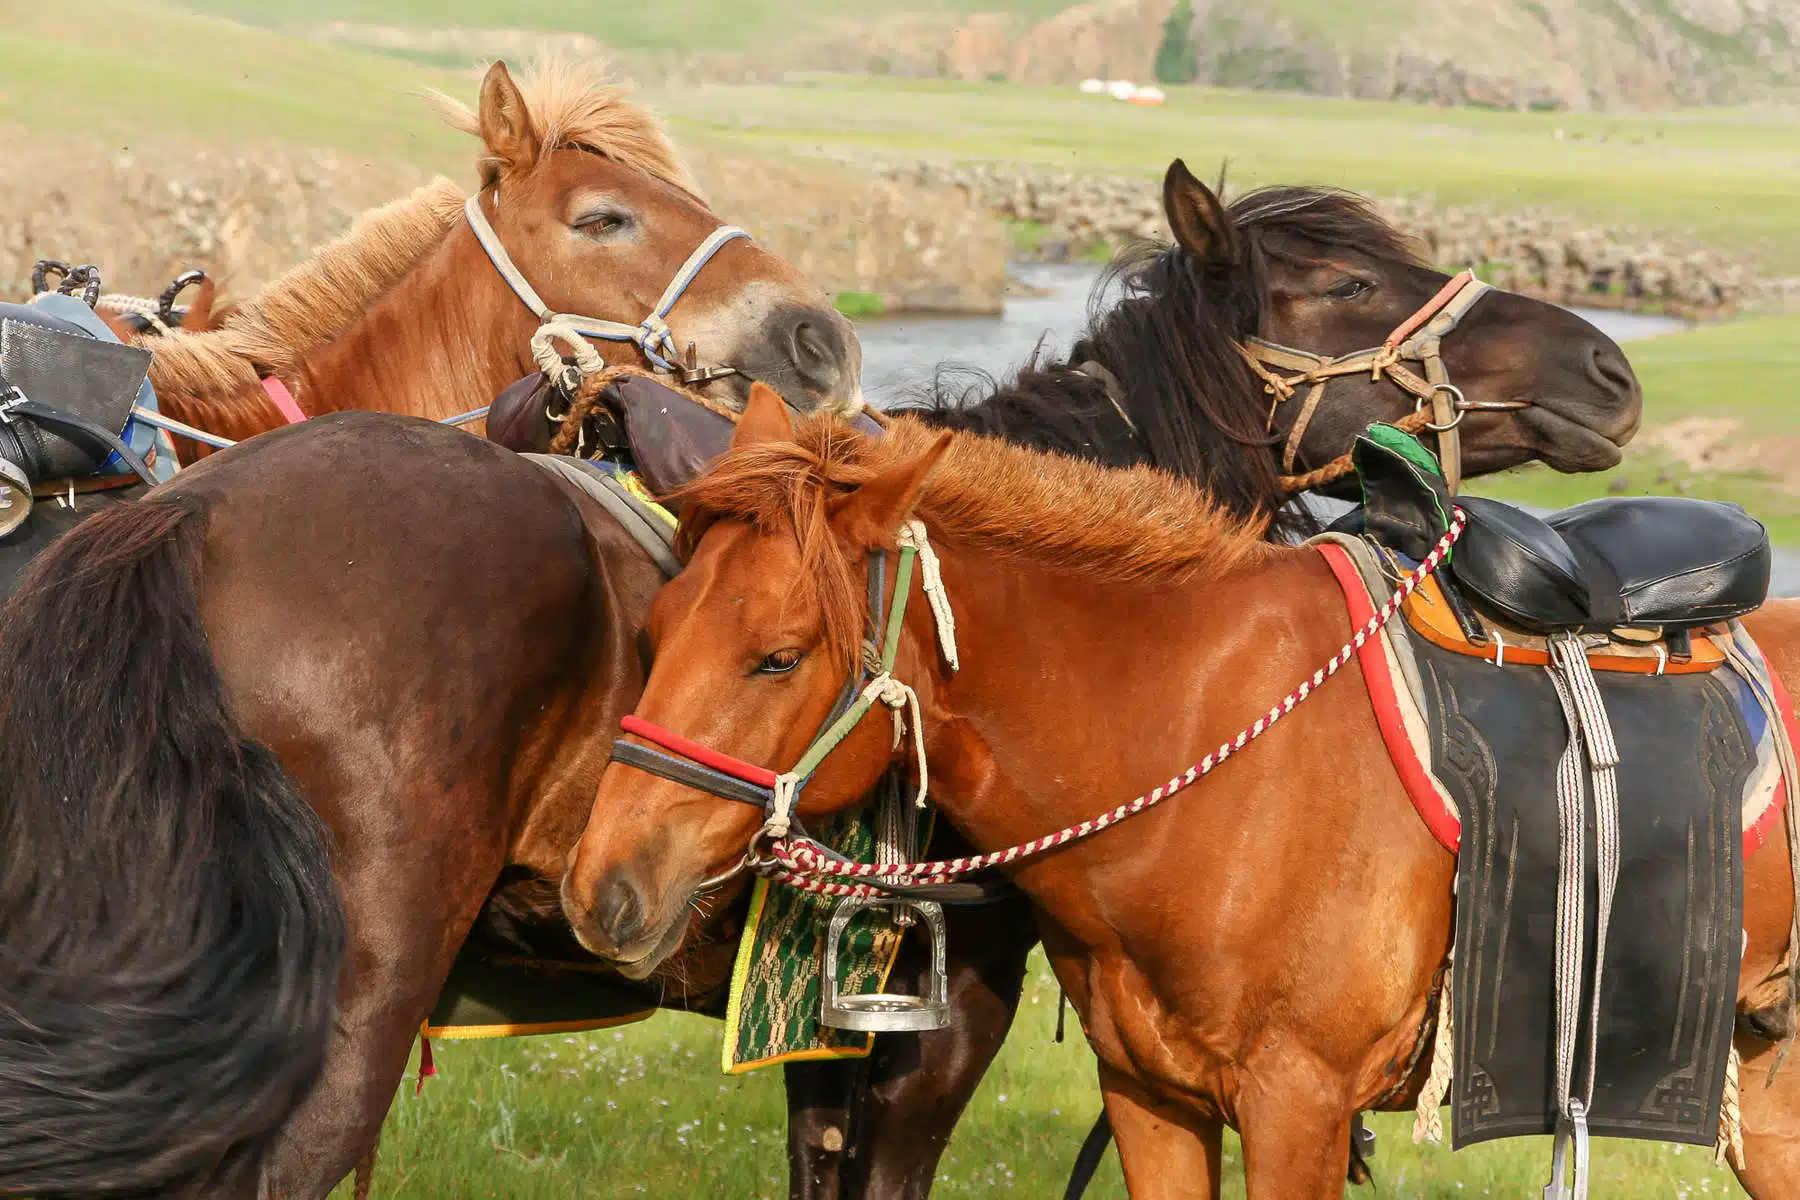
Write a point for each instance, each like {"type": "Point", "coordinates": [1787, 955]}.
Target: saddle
{"type": "Point", "coordinates": [1649, 565]}
{"type": "Point", "coordinates": [68, 388]}
{"type": "Point", "coordinates": [1563, 694]}
{"type": "Point", "coordinates": [668, 438]}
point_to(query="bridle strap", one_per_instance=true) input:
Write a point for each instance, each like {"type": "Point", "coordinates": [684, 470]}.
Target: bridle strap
{"type": "Point", "coordinates": [1416, 339]}
{"type": "Point", "coordinates": [651, 335]}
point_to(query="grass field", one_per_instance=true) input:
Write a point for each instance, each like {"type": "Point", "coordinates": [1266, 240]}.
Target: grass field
{"type": "Point", "coordinates": [117, 68]}
{"type": "Point", "coordinates": [1726, 177]}
{"type": "Point", "coordinates": [642, 1111]}
{"type": "Point", "coordinates": [1746, 371]}
{"type": "Point", "coordinates": [678, 25]}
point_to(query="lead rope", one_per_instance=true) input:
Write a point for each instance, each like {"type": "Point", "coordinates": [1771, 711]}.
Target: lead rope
{"type": "Point", "coordinates": [800, 865]}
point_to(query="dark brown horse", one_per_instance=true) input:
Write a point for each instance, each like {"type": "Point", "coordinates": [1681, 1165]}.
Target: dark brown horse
{"type": "Point", "coordinates": [1115, 627]}
{"type": "Point", "coordinates": [439, 781]}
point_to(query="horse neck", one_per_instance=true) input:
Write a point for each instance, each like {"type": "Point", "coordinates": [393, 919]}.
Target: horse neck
{"type": "Point", "coordinates": [1075, 694]}
{"type": "Point", "coordinates": [443, 341]}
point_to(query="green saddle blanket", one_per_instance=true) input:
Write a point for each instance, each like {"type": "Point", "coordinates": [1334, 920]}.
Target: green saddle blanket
{"type": "Point", "coordinates": [777, 985]}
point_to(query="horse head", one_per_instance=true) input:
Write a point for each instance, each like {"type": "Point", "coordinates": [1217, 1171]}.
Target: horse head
{"type": "Point", "coordinates": [585, 194]}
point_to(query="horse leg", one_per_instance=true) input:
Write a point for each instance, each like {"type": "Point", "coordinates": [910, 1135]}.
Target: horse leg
{"type": "Point", "coordinates": [819, 1096]}
{"type": "Point", "coordinates": [1165, 1155]}
{"type": "Point", "coordinates": [1296, 1130]}
{"type": "Point", "coordinates": [1771, 1122]}
{"type": "Point", "coordinates": [919, 1085]}
{"type": "Point", "coordinates": [410, 907]}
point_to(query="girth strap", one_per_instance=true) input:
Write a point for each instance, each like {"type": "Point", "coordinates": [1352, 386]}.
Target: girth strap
{"type": "Point", "coordinates": [633, 515]}
{"type": "Point", "coordinates": [1592, 756]}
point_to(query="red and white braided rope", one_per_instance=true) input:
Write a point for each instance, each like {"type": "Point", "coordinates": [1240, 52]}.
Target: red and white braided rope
{"type": "Point", "coordinates": [812, 871]}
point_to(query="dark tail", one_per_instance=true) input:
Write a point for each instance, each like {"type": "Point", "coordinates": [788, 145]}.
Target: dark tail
{"type": "Point", "coordinates": [170, 932]}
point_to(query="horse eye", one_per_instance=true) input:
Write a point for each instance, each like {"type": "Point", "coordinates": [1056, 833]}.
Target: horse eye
{"type": "Point", "coordinates": [780, 662]}
{"type": "Point", "coordinates": [1349, 289]}
{"type": "Point", "coordinates": [603, 222]}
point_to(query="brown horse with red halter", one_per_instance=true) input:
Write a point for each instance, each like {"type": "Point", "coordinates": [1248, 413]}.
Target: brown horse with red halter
{"type": "Point", "coordinates": [1120, 624]}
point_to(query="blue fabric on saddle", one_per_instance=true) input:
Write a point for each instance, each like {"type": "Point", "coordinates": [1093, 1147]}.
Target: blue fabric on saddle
{"type": "Point", "coordinates": [150, 443]}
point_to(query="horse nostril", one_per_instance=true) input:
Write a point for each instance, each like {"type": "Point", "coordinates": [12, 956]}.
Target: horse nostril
{"type": "Point", "coordinates": [619, 911]}
{"type": "Point", "coordinates": [817, 354]}
{"type": "Point", "coordinates": [1609, 368]}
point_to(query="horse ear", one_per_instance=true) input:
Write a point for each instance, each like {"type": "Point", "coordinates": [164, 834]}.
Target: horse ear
{"type": "Point", "coordinates": [1199, 222]}
{"type": "Point", "coordinates": [765, 419]}
{"type": "Point", "coordinates": [870, 515]}
{"type": "Point", "coordinates": [505, 121]}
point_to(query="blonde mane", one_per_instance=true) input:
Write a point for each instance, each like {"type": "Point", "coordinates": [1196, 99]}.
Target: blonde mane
{"type": "Point", "coordinates": [985, 494]}
{"type": "Point", "coordinates": [313, 303]}
{"type": "Point", "coordinates": [572, 103]}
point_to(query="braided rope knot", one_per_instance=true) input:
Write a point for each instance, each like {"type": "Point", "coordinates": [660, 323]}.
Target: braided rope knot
{"type": "Point", "coordinates": [658, 341]}
{"type": "Point", "coordinates": [1385, 359]}
{"type": "Point", "coordinates": [902, 700]}
{"type": "Point", "coordinates": [781, 808]}
{"type": "Point", "coordinates": [549, 356]}
{"type": "Point", "coordinates": [1273, 384]}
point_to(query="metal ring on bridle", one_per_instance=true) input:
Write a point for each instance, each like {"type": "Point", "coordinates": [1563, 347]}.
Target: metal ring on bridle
{"type": "Point", "coordinates": [1462, 407]}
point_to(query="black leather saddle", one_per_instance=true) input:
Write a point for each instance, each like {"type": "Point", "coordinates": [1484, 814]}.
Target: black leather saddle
{"type": "Point", "coordinates": [669, 439]}
{"type": "Point", "coordinates": [1642, 562]}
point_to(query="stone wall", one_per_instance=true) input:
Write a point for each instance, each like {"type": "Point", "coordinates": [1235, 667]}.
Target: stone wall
{"type": "Point", "coordinates": [147, 214]}
{"type": "Point", "coordinates": [1537, 252]}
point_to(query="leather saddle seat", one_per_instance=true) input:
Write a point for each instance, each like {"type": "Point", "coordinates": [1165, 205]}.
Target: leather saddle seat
{"type": "Point", "coordinates": [667, 437]}
{"type": "Point", "coordinates": [1665, 563]}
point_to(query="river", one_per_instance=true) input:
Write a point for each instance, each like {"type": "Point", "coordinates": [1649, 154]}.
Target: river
{"type": "Point", "coordinates": [901, 354]}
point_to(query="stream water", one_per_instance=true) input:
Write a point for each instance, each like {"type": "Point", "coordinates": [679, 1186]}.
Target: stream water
{"type": "Point", "coordinates": [901, 355]}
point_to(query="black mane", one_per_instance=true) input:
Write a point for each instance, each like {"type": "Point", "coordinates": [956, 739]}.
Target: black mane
{"type": "Point", "coordinates": [1171, 341]}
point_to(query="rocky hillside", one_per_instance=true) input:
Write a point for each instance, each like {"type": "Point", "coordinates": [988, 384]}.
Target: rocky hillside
{"type": "Point", "coordinates": [1539, 253]}
{"type": "Point", "coordinates": [247, 214]}
{"type": "Point", "coordinates": [1568, 54]}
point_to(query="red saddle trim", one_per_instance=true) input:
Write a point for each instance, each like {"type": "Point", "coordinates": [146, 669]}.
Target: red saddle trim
{"type": "Point", "coordinates": [1415, 774]}
{"type": "Point", "coordinates": [1379, 682]}
{"type": "Point", "coordinates": [1758, 834]}
{"type": "Point", "coordinates": [283, 400]}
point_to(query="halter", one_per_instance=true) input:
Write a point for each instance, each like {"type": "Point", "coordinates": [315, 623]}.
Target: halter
{"type": "Point", "coordinates": [651, 335]}
{"type": "Point", "coordinates": [1415, 339]}
{"type": "Point", "coordinates": [687, 762]}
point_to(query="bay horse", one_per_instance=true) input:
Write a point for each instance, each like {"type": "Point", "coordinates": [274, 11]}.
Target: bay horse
{"type": "Point", "coordinates": [1117, 625]}
{"type": "Point", "coordinates": [590, 203]}
{"type": "Point", "coordinates": [414, 874]}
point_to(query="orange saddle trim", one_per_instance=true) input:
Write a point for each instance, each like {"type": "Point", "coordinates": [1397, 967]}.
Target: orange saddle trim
{"type": "Point", "coordinates": [1429, 616]}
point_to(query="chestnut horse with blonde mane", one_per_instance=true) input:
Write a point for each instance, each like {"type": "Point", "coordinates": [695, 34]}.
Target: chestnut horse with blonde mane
{"type": "Point", "coordinates": [1115, 627]}
{"type": "Point", "coordinates": [406, 313]}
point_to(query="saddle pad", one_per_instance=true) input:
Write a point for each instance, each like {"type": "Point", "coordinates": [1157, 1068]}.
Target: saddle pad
{"type": "Point", "coordinates": [772, 1015]}
{"type": "Point", "coordinates": [1694, 750]}
{"type": "Point", "coordinates": [487, 997]}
